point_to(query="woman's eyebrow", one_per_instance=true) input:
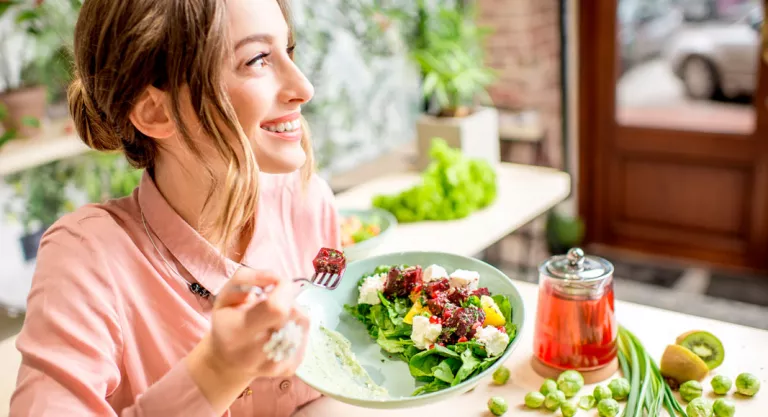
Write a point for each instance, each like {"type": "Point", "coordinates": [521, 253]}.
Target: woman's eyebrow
{"type": "Point", "coordinates": [257, 37]}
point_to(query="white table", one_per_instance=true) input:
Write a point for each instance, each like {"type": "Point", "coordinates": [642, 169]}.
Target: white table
{"type": "Point", "coordinates": [524, 193]}
{"type": "Point", "coordinates": [744, 346]}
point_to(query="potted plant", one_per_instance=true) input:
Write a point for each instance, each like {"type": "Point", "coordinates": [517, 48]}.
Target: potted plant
{"type": "Point", "coordinates": [563, 232]}
{"type": "Point", "coordinates": [106, 176]}
{"type": "Point", "coordinates": [39, 200]}
{"type": "Point", "coordinates": [450, 56]}
{"type": "Point", "coordinates": [41, 41]}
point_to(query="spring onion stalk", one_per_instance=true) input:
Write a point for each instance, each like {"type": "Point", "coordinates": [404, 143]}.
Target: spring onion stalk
{"type": "Point", "coordinates": [649, 392]}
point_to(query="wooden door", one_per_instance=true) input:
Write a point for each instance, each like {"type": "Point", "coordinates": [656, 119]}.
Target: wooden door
{"type": "Point", "coordinates": [664, 169]}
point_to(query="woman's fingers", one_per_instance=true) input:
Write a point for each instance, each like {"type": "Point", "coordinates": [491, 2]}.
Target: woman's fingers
{"type": "Point", "coordinates": [236, 291]}
{"type": "Point", "coordinates": [275, 310]}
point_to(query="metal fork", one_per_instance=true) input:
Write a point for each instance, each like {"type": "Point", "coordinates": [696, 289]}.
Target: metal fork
{"type": "Point", "coordinates": [323, 280]}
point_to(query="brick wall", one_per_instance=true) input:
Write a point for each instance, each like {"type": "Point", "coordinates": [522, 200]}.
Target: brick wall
{"type": "Point", "coordinates": [525, 50]}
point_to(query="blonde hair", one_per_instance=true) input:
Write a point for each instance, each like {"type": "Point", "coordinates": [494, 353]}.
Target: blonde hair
{"type": "Point", "coordinates": [122, 47]}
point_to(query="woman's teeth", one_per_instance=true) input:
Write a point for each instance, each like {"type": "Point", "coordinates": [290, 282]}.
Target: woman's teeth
{"type": "Point", "coordinates": [283, 127]}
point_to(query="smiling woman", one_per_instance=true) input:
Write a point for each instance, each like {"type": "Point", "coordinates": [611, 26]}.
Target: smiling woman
{"type": "Point", "coordinates": [204, 95]}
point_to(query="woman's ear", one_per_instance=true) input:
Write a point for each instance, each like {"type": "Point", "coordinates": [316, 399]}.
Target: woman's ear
{"type": "Point", "coordinates": [151, 114]}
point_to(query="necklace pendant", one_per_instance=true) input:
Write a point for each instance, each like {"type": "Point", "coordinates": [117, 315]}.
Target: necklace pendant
{"type": "Point", "coordinates": [199, 290]}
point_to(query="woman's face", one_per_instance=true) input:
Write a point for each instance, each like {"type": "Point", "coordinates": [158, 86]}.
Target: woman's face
{"type": "Point", "coordinates": [265, 86]}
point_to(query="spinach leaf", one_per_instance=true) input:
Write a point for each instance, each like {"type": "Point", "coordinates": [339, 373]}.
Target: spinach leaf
{"type": "Point", "coordinates": [393, 345]}
{"type": "Point", "coordinates": [435, 385]}
{"type": "Point", "coordinates": [506, 310]}
{"type": "Point", "coordinates": [473, 345]}
{"type": "Point", "coordinates": [422, 363]}
{"type": "Point", "coordinates": [443, 372]}
{"type": "Point", "coordinates": [468, 365]}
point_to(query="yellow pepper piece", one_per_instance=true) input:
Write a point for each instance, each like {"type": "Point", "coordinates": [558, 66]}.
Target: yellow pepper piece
{"type": "Point", "coordinates": [415, 310]}
{"type": "Point", "coordinates": [493, 316]}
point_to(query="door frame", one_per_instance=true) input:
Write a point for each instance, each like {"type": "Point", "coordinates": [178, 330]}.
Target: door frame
{"type": "Point", "coordinates": [597, 52]}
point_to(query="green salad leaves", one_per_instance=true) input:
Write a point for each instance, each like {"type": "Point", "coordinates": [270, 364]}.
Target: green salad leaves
{"type": "Point", "coordinates": [453, 186]}
{"type": "Point", "coordinates": [440, 366]}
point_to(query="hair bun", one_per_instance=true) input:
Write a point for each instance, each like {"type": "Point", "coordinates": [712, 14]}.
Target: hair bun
{"type": "Point", "coordinates": [89, 122]}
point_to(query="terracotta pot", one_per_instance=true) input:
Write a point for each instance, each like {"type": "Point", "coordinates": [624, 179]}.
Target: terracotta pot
{"type": "Point", "coordinates": [21, 103]}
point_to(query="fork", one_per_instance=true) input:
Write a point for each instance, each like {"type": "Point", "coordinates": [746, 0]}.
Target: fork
{"type": "Point", "coordinates": [327, 276]}
{"type": "Point", "coordinates": [322, 279]}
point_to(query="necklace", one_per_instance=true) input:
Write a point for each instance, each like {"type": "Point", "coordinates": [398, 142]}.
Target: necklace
{"type": "Point", "coordinates": [194, 287]}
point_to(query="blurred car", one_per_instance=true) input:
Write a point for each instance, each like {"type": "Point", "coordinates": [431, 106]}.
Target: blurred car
{"type": "Point", "coordinates": [719, 57]}
{"type": "Point", "coordinates": [644, 28]}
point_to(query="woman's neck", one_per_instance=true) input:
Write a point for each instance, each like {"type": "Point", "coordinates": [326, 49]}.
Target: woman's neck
{"type": "Point", "coordinates": [186, 192]}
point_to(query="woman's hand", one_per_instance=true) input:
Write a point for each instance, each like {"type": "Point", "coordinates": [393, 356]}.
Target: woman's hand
{"type": "Point", "coordinates": [232, 354]}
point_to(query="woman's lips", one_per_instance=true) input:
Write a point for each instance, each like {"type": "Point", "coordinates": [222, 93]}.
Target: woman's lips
{"type": "Point", "coordinates": [286, 127]}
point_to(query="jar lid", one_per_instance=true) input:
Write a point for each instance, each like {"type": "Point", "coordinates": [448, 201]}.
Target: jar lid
{"type": "Point", "coordinates": [576, 266]}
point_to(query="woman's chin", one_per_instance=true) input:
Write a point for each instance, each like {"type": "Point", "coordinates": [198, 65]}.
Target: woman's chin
{"type": "Point", "coordinates": [284, 163]}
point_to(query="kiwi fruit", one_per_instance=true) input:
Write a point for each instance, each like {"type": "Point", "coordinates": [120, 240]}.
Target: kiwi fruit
{"type": "Point", "coordinates": [682, 365]}
{"type": "Point", "coordinates": [705, 345]}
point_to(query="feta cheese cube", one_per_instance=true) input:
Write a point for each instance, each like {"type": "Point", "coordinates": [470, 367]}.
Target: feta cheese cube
{"type": "Point", "coordinates": [461, 278]}
{"type": "Point", "coordinates": [424, 333]}
{"type": "Point", "coordinates": [434, 273]}
{"type": "Point", "coordinates": [369, 291]}
{"type": "Point", "coordinates": [494, 340]}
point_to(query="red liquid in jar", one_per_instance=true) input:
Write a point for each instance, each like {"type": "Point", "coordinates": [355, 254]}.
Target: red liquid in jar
{"type": "Point", "coordinates": [572, 332]}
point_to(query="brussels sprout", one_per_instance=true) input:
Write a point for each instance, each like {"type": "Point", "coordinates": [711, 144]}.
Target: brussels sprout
{"type": "Point", "coordinates": [534, 399]}
{"type": "Point", "coordinates": [607, 408]}
{"type": "Point", "coordinates": [501, 375]}
{"type": "Point", "coordinates": [721, 384]}
{"type": "Point", "coordinates": [619, 388]}
{"type": "Point", "coordinates": [568, 409]}
{"type": "Point", "coordinates": [602, 392]}
{"type": "Point", "coordinates": [699, 407]}
{"type": "Point", "coordinates": [549, 385]}
{"type": "Point", "coordinates": [587, 402]}
{"type": "Point", "coordinates": [553, 400]}
{"type": "Point", "coordinates": [724, 408]}
{"type": "Point", "coordinates": [570, 382]}
{"type": "Point", "coordinates": [690, 390]}
{"type": "Point", "coordinates": [747, 384]}
{"type": "Point", "coordinates": [497, 406]}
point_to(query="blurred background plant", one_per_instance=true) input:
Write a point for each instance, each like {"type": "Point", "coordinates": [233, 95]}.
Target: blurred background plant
{"type": "Point", "coordinates": [40, 39]}
{"type": "Point", "coordinates": [106, 176]}
{"type": "Point", "coordinates": [563, 232]}
{"type": "Point", "coordinates": [447, 46]}
{"type": "Point", "coordinates": [39, 199]}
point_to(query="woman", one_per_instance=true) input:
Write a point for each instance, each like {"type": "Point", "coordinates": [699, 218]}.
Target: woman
{"type": "Point", "coordinates": [204, 94]}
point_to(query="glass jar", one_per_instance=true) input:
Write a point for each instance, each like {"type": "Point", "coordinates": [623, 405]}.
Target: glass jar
{"type": "Point", "coordinates": [576, 325]}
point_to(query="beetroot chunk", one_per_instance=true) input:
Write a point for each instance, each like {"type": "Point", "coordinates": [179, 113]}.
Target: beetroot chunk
{"type": "Point", "coordinates": [400, 282]}
{"type": "Point", "coordinates": [464, 321]}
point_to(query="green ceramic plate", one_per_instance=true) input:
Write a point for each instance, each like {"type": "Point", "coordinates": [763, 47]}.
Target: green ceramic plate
{"type": "Point", "coordinates": [388, 223]}
{"type": "Point", "coordinates": [327, 308]}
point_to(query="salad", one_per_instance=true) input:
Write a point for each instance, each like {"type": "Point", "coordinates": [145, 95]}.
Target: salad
{"type": "Point", "coordinates": [355, 230]}
{"type": "Point", "coordinates": [445, 326]}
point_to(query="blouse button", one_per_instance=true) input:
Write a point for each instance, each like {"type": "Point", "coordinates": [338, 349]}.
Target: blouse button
{"type": "Point", "coordinates": [285, 385]}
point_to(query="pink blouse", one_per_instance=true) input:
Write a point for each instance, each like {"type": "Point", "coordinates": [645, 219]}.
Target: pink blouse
{"type": "Point", "coordinates": [108, 322]}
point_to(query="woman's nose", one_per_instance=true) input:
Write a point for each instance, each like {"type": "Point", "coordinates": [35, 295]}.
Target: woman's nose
{"type": "Point", "coordinates": [296, 88]}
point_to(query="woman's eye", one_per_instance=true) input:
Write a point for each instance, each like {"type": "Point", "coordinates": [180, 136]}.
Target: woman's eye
{"type": "Point", "coordinates": [259, 61]}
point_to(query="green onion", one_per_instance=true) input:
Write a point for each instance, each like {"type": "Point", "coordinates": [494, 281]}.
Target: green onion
{"type": "Point", "coordinates": [649, 391]}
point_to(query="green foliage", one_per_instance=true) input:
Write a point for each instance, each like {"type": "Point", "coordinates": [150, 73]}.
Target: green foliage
{"type": "Point", "coordinates": [447, 46]}
{"type": "Point", "coordinates": [40, 195]}
{"type": "Point", "coordinates": [47, 31]}
{"type": "Point", "coordinates": [451, 60]}
{"type": "Point", "coordinates": [105, 176]}
{"type": "Point", "coordinates": [563, 232]}
{"type": "Point", "coordinates": [452, 187]}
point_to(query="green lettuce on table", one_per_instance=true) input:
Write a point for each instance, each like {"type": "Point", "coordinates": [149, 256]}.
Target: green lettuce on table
{"type": "Point", "coordinates": [452, 187]}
